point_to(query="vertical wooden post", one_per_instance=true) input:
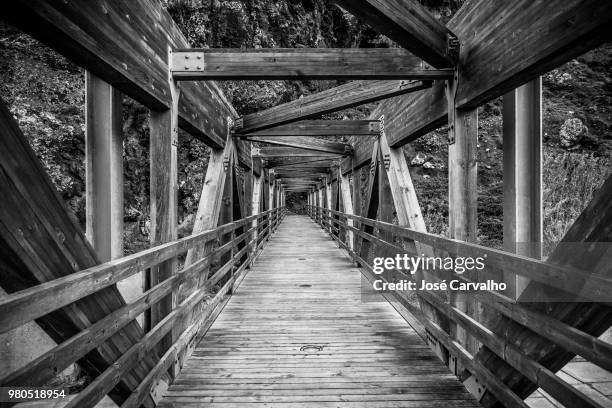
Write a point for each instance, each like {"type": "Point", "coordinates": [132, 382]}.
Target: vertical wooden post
{"type": "Point", "coordinates": [320, 201]}
{"type": "Point", "coordinates": [463, 193]}
{"type": "Point", "coordinates": [328, 203]}
{"type": "Point", "coordinates": [385, 197]}
{"type": "Point", "coordinates": [271, 189]}
{"type": "Point", "coordinates": [164, 223]}
{"type": "Point", "coordinates": [371, 201]}
{"type": "Point", "coordinates": [357, 174]}
{"type": "Point", "coordinates": [266, 189]}
{"type": "Point", "coordinates": [522, 115]}
{"type": "Point", "coordinates": [255, 206]}
{"type": "Point", "coordinates": [104, 170]}
{"type": "Point", "coordinates": [462, 177]}
{"type": "Point", "coordinates": [347, 202]}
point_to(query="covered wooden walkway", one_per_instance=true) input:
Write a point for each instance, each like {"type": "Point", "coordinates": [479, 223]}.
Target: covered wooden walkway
{"type": "Point", "coordinates": [303, 293]}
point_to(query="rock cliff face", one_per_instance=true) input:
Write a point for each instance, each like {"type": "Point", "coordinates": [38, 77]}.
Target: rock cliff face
{"type": "Point", "coordinates": [45, 93]}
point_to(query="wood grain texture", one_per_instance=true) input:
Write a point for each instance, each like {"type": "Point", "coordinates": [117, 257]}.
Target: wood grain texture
{"type": "Point", "coordinates": [304, 142]}
{"type": "Point", "coordinates": [322, 128]}
{"type": "Point", "coordinates": [251, 354]}
{"type": "Point", "coordinates": [164, 205]}
{"type": "Point", "coordinates": [39, 241]}
{"type": "Point", "coordinates": [409, 24]}
{"type": "Point", "coordinates": [126, 44]}
{"type": "Point", "coordinates": [305, 63]}
{"type": "Point", "coordinates": [273, 152]}
{"type": "Point", "coordinates": [345, 96]}
{"type": "Point", "coordinates": [593, 225]}
{"type": "Point", "coordinates": [503, 45]}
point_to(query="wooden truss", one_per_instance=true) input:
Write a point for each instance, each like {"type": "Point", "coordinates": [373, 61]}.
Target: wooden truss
{"type": "Point", "coordinates": [52, 272]}
{"type": "Point", "coordinates": [300, 63]}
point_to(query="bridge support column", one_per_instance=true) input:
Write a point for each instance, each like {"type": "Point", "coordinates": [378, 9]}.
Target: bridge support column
{"type": "Point", "coordinates": [271, 186]}
{"type": "Point", "coordinates": [347, 203]}
{"type": "Point", "coordinates": [357, 180]}
{"type": "Point", "coordinates": [104, 176]}
{"type": "Point", "coordinates": [320, 203]}
{"type": "Point", "coordinates": [164, 195]}
{"type": "Point", "coordinates": [522, 137]}
{"type": "Point", "coordinates": [463, 193]}
{"type": "Point", "coordinates": [255, 206]}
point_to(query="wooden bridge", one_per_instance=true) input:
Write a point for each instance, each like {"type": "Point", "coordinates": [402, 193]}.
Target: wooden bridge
{"type": "Point", "coordinates": [260, 307]}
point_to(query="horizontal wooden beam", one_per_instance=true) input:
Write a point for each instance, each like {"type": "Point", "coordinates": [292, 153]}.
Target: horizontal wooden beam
{"type": "Point", "coordinates": [126, 44]}
{"type": "Point", "coordinates": [301, 63]}
{"type": "Point", "coordinates": [321, 128]}
{"type": "Point", "coordinates": [271, 152]}
{"type": "Point", "coordinates": [345, 96]}
{"type": "Point", "coordinates": [304, 142]}
{"type": "Point", "coordinates": [552, 33]}
{"type": "Point", "coordinates": [410, 25]}
{"type": "Point", "coordinates": [300, 173]}
{"type": "Point", "coordinates": [300, 163]}
{"type": "Point", "coordinates": [299, 179]}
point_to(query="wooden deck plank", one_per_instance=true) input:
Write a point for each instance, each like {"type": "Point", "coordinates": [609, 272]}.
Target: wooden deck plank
{"type": "Point", "coordinates": [303, 291]}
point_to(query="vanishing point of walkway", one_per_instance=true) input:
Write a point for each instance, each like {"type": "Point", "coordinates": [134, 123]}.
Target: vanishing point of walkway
{"type": "Point", "coordinates": [296, 334]}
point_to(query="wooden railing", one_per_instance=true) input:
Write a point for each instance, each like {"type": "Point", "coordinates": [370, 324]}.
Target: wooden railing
{"type": "Point", "coordinates": [191, 315]}
{"type": "Point", "coordinates": [570, 280]}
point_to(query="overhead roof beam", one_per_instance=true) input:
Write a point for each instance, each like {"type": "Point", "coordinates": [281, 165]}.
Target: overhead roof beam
{"type": "Point", "coordinates": [293, 173]}
{"type": "Point", "coordinates": [410, 25]}
{"type": "Point", "coordinates": [127, 47]}
{"type": "Point", "coordinates": [552, 33]}
{"type": "Point", "coordinates": [345, 96]}
{"type": "Point", "coordinates": [271, 152]}
{"type": "Point", "coordinates": [301, 63]}
{"type": "Point", "coordinates": [321, 128]}
{"type": "Point", "coordinates": [307, 143]}
{"type": "Point", "coordinates": [293, 162]}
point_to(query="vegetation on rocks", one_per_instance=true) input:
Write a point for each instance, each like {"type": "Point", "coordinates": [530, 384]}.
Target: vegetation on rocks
{"type": "Point", "coordinates": [45, 92]}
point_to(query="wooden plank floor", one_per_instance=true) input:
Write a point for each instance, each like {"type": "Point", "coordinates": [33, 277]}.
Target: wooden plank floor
{"type": "Point", "coordinates": [304, 291]}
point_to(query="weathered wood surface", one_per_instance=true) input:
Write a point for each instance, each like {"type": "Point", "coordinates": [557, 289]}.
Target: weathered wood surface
{"type": "Point", "coordinates": [39, 242]}
{"type": "Point", "coordinates": [272, 152]}
{"type": "Point", "coordinates": [409, 24]}
{"type": "Point", "coordinates": [126, 44]}
{"type": "Point", "coordinates": [593, 225]}
{"type": "Point", "coordinates": [302, 63]}
{"type": "Point", "coordinates": [304, 142]}
{"type": "Point", "coordinates": [303, 291]}
{"type": "Point", "coordinates": [164, 206]}
{"type": "Point", "coordinates": [292, 172]}
{"type": "Point", "coordinates": [504, 44]}
{"type": "Point", "coordinates": [322, 128]}
{"type": "Point", "coordinates": [345, 96]}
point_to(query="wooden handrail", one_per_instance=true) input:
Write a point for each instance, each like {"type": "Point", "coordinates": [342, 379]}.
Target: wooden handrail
{"type": "Point", "coordinates": [76, 286]}
{"type": "Point", "coordinates": [588, 286]}
{"type": "Point", "coordinates": [573, 340]}
{"type": "Point", "coordinates": [21, 307]}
